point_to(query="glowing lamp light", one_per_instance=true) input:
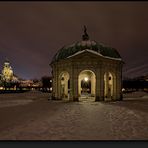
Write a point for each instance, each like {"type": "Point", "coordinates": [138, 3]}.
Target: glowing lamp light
{"type": "Point", "coordinates": [1, 88]}
{"type": "Point", "coordinates": [86, 79]}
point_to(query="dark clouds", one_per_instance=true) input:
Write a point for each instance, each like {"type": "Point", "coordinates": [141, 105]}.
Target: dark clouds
{"type": "Point", "coordinates": [32, 32]}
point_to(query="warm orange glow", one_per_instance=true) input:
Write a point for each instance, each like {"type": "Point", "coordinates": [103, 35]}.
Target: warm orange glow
{"type": "Point", "coordinates": [86, 79]}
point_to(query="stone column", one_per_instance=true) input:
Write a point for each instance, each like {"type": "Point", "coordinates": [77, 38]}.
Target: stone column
{"type": "Point", "coordinates": [71, 89]}
{"type": "Point", "coordinates": [99, 85]}
{"type": "Point", "coordinates": [105, 88]}
{"type": "Point", "coordinates": [66, 88]}
{"type": "Point", "coordinates": [75, 86]}
{"type": "Point", "coordinates": [114, 86]}
{"type": "Point", "coordinates": [102, 85]}
{"type": "Point", "coordinates": [93, 85]}
{"type": "Point", "coordinates": [79, 86]}
{"type": "Point", "coordinates": [58, 87]}
{"type": "Point", "coordinates": [106, 84]}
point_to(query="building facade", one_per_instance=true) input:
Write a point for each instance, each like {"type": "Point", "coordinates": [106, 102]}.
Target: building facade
{"type": "Point", "coordinates": [7, 74]}
{"type": "Point", "coordinates": [87, 69]}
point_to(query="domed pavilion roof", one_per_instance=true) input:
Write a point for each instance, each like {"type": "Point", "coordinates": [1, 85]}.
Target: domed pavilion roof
{"type": "Point", "coordinates": [86, 44]}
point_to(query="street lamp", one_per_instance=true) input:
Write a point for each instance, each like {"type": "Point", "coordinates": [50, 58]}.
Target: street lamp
{"type": "Point", "coordinates": [86, 79]}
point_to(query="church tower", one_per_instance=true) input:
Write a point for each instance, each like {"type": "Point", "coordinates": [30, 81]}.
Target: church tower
{"type": "Point", "coordinates": [7, 72]}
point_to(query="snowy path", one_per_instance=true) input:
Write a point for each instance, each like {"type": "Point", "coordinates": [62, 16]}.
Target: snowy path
{"type": "Point", "coordinates": [57, 120]}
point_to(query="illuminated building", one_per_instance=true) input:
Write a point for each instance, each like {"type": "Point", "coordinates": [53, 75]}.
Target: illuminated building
{"type": "Point", "coordinates": [87, 68]}
{"type": "Point", "coordinates": [7, 74]}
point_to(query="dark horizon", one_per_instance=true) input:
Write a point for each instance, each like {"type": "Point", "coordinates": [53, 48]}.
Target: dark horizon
{"type": "Point", "coordinates": [32, 32]}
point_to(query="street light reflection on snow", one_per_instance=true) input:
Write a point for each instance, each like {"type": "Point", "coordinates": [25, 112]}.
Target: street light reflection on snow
{"type": "Point", "coordinates": [86, 79]}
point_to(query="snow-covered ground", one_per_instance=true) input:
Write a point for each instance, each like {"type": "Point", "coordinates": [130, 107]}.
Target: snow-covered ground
{"type": "Point", "coordinates": [40, 119]}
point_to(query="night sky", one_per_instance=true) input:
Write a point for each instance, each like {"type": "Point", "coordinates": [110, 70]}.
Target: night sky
{"type": "Point", "coordinates": [32, 32]}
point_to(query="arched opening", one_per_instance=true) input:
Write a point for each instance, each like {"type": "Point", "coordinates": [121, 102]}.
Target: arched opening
{"type": "Point", "coordinates": [86, 85]}
{"type": "Point", "coordinates": [64, 85]}
{"type": "Point", "coordinates": [108, 86]}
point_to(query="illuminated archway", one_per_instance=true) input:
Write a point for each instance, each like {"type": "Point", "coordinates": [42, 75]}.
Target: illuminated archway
{"type": "Point", "coordinates": [87, 84]}
{"type": "Point", "coordinates": [64, 85]}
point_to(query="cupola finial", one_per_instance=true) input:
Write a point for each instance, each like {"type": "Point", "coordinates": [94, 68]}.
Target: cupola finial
{"type": "Point", "coordinates": [6, 60]}
{"type": "Point", "coordinates": [85, 35]}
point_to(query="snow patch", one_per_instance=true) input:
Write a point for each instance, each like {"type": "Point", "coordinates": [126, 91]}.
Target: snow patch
{"type": "Point", "coordinates": [8, 103]}
{"type": "Point", "coordinates": [145, 96]}
{"type": "Point", "coordinates": [94, 52]}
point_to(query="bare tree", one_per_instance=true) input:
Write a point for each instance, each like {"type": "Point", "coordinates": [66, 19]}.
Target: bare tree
{"type": "Point", "coordinates": [46, 83]}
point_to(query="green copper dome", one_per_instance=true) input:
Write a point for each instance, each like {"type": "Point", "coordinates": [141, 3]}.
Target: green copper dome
{"type": "Point", "coordinates": [94, 46]}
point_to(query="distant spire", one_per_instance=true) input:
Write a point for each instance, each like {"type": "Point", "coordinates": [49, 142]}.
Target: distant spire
{"type": "Point", "coordinates": [6, 60]}
{"type": "Point", "coordinates": [85, 35]}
